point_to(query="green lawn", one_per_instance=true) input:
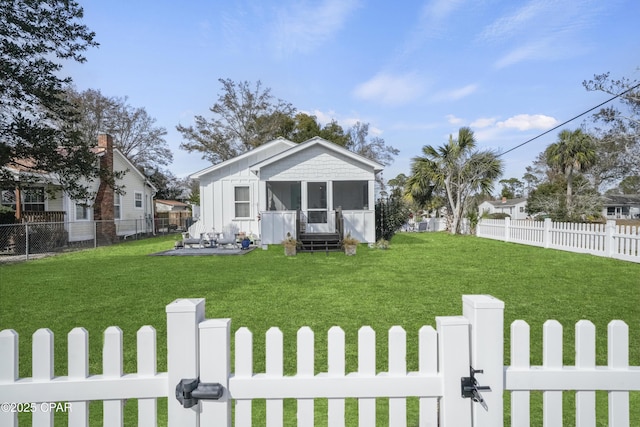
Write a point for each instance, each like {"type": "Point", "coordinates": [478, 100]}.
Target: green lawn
{"type": "Point", "coordinates": [421, 276]}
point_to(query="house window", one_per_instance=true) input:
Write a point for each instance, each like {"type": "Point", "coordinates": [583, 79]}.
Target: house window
{"type": "Point", "coordinates": [521, 209]}
{"type": "Point", "coordinates": [242, 202]}
{"type": "Point", "coordinates": [82, 212]}
{"type": "Point", "coordinates": [33, 199]}
{"type": "Point", "coordinates": [8, 198]}
{"type": "Point", "coordinates": [116, 206]}
{"type": "Point", "coordinates": [137, 200]}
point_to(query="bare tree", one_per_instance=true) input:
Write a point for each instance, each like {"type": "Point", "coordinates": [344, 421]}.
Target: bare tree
{"type": "Point", "coordinates": [243, 118]}
{"type": "Point", "coordinates": [373, 148]}
{"type": "Point", "coordinates": [133, 130]}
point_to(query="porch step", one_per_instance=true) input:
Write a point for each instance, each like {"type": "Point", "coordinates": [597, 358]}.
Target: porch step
{"type": "Point", "coordinates": [319, 242]}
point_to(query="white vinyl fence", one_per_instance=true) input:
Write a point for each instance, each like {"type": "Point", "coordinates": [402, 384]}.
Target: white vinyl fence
{"type": "Point", "coordinates": [606, 240]}
{"type": "Point", "coordinates": [201, 387]}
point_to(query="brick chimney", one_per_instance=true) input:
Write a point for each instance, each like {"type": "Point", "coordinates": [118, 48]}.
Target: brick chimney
{"type": "Point", "coordinates": [103, 206]}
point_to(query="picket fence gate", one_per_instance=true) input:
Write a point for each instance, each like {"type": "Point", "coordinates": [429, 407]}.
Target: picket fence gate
{"type": "Point", "coordinates": [200, 348]}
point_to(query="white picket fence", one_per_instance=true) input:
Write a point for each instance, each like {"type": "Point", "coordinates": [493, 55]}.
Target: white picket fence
{"type": "Point", "coordinates": [606, 240]}
{"type": "Point", "coordinates": [200, 348]}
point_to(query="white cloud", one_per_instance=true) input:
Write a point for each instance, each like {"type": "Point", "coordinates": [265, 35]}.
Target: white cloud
{"type": "Point", "coordinates": [388, 89]}
{"type": "Point", "coordinates": [483, 122]}
{"type": "Point", "coordinates": [456, 94]}
{"type": "Point", "coordinates": [305, 26]}
{"type": "Point", "coordinates": [454, 120]}
{"type": "Point", "coordinates": [508, 25]}
{"type": "Point", "coordinates": [543, 29]}
{"type": "Point", "coordinates": [524, 122]}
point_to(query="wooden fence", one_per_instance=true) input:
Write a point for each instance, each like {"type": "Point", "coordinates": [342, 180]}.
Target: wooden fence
{"type": "Point", "coordinates": [199, 350]}
{"type": "Point", "coordinates": [606, 240]}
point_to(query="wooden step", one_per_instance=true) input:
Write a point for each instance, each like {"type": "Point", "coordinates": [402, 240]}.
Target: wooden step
{"type": "Point", "coordinates": [320, 242]}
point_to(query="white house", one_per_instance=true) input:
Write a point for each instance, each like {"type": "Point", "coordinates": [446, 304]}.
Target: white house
{"type": "Point", "coordinates": [515, 208]}
{"type": "Point", "coordinates": [619, 206]}
{"type": "Point", "coordinates": [281, 187]}
{"type": "Point", "coordinates": [116, 214]}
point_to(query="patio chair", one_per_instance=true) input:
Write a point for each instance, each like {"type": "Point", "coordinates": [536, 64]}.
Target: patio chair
{"type": "Point", "coordinates": [228, 237]}
{"type": "Point", "coordinates": [189, 240]}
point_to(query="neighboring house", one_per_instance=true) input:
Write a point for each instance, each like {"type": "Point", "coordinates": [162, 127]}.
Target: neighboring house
{"type": "Point", "coordinates": [170, 206]}
{"type": "Point", "coordinates": [172, 214]}
{"type": "Point", "coordinates": [515, 208]}
{"type": "Point", "coordinates": [117, 214]}
{"type": "Point", "coordinates": [281, 187]}
{"type": "Point", "coordinates": [622, 206]}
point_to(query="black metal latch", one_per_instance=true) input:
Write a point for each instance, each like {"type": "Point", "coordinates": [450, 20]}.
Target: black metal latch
{"type": "Point", "coordinates": [190, 390]}
{"type": "Point", "coordinates": [470, 388]}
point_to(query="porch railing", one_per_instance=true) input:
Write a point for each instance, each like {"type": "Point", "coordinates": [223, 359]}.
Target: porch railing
{"type": "Point", "coordinates": [40, 216]}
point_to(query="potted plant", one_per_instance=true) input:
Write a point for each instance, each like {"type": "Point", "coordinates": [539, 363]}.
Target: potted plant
{"type": "Point", "coordinates": [382, 244]}
{"type": "Point", "coordinates": [290, 245]}
{"type": "Point", "coordinates": [350, 244]}
{"type": "Point", "coordinates": [245, 243]}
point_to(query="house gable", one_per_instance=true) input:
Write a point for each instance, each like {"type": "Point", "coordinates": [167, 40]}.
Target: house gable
{"type": "Point", "coordinates": [317, 156]}
{"type": "Point", "coordinates": [240, 164]}
{"type": "Point", "coordinates": [316, 162]}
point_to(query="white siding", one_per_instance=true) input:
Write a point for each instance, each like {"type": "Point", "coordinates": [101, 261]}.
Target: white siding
{"type": "Point", "coordinates": [132, 182]}
{"type": "Point", "coordinates": [316, 163]}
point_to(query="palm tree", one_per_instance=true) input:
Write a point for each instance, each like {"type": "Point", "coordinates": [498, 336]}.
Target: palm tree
{"type": "Point", "coordinates": [574, 151]}
{"type": "Point", "coordinates": [458, 169]}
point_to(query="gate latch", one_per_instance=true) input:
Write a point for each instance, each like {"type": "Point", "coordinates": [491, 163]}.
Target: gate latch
{"type": "Point", "coordinates": [470, 388]}
{"type": "Point", "coordinates": [190, 390]}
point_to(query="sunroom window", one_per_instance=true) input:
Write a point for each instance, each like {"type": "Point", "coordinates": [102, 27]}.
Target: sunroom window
{"type": "Point", "coordinates": [351, 195]}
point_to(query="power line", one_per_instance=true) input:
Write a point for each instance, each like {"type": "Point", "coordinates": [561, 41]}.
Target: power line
{"type": "Point", "coordinates": [570, 120]}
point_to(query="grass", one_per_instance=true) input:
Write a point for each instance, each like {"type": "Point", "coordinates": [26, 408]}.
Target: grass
{"type": "Point", "coordinates": [421, 276]}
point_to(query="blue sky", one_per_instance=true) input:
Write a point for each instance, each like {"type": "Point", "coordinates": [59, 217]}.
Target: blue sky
{"type": "Point", "coordinates": [416, 71]}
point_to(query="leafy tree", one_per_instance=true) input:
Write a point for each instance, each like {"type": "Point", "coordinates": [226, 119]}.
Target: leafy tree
{"type": "Point", "coordinates": [243, 118]}
{"type": "Point", "coordinates": [36, 121]}
{"type": "Point", "coordinates": [573, 152]}
{"type": "Point", "coordinates": [168, 185]}
{"type": "Point", "coordinates": [458, 169]}
{"type": "Point", "coordinates": [630, 185]}
{"type": "Point", "coordinates": [549, 198]}
{"type": "Point", "coordinates": [307, 127]}
{"type": "Point", "coordinates": [133, 130]}
{"type": "Point", "coordinates": [373, 148]}
{"type": "Point", "coordinates": [511, 188]}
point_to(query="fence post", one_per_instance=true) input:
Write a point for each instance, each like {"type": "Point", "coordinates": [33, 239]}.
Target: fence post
{"type": "Point", "coordinates": [453, 357]}
{"type": "Point", "coordinates": [95, 234]}
{"type": "Point", "coordinates": [183, 317]}
{"type": "Point", "coordinates": [507, 229]}
{"type": "Point", "coordinates": [215, 367]}
{"type": "Point", "coordinates": [26, 240]}
{"type": "Point", "coordinates": [546, 233]}
{"type": "Point", "coordinates": [486, 315]}
{"type": "Point", "coordinates": [609, 241]}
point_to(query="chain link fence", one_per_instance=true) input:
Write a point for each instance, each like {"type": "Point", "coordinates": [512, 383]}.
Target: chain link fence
{"type": "Point", "coordinates": [31, 240]}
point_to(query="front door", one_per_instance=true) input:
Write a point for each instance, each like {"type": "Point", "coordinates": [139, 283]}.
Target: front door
{"type": "Point", "coordinates": [317, 209]}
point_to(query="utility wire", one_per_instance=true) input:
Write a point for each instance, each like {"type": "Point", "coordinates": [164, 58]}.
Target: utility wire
{"type": "Point", "coordinates": [570, 120]}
